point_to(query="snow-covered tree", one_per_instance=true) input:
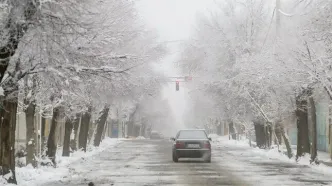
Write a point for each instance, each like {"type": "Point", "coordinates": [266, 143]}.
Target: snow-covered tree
{"type": "Point", "coordinates": [258, 61]}
{"type": "Point", "coordinates": [83, 54]}
{"type": "Point", "coordinates": [237, 64]}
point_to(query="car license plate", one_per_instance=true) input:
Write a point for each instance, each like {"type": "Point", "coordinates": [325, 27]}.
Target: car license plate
{"type": "Point", "coordinates": [193, 146]}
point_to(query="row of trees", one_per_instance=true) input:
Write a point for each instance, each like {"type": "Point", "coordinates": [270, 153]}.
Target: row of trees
{"type": "Point", "coordinates": [264, 64]}
{"type": "Point", "coordinates": [69, 59]}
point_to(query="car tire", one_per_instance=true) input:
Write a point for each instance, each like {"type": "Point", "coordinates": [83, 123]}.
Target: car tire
{"type": "Point", "coordinates": [175, 158]}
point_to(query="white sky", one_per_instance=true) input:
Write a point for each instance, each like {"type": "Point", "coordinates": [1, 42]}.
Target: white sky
{"type": "Point", "coordinates": [174, 20]}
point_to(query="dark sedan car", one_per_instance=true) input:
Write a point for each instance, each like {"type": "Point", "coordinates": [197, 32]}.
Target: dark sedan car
{"type": "Point", "coordinates": [155, 135]}
{"type": "Point", "coordinates": [191, 144]}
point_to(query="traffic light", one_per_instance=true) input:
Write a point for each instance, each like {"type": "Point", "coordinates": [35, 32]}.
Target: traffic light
{"type": "Point", "coordinates": [177, 86]}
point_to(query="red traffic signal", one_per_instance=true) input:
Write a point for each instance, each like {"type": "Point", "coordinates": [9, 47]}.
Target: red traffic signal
{"type": "Point", "coordinates": [177, 85]}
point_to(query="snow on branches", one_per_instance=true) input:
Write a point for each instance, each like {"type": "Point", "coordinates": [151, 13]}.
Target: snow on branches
{"type": "Point", "coordinates": [242, 66]}
{"type": "Point", "coordinates": [83, 53]}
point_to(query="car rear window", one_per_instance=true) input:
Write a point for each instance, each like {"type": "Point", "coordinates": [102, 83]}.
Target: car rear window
{"type": "Point", "coordinates": [192, 134]}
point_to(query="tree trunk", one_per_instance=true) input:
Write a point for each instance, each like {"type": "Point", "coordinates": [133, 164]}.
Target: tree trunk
{"type": "Point", "coordinates": [275, 138]}
{"type": "Point", "coordinates": [260, 135]}
{"type": "Point", "coordinates": [136, 129]}
{"type": "Point", "coordinates": [303, 144]}
{"type": "Point", "coordinates": [30, 135]}
{"type": "Point", "coordinates": [249, 137]}
{"type": "Point", "coordinates": [91, 132]}
{"type": "Point", "coordinates": [52, 140]}
{"type": "Point", "coordinates": [101, 125]}
{"type": "Point", "coordinates": [286, 141]}
{"type": "Point", "coordinates": [232, 130]}
{"type": "Point", "coordinates": [142, 129]}
{"type": "Point", "coordinates": [330, 140]}
{"type": "Point", "coordinates": [66, 141]}
{"type": "Point", "coordinates": [83, 135]}
{"type": "Point", "coordinates": [7, 139]}
{"type": "Point", "coordinates": [278, 133]}
{"type": "Point", "coordinates": [313, 131]}
{"type": "Point", "coordinates": [43, 138]}
{"type": "Point", "coordinates": [103, 136]}
{"type": "Point", "coordinates": [268, 135]}
{"type": "Point", "coordinates": [76, 126]}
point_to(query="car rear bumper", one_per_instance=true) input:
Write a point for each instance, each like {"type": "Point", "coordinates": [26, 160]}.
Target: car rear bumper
{"type": "Point", "coordinates": [192, 153]}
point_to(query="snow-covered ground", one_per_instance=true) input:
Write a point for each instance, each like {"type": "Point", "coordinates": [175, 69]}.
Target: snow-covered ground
{"type": "Point", "coordinates": [270, 167]}
{"type": "Point", "coordinates": [275, 154]}
{"type": "Point", "coordinates": [28, 176]}
{"type": "Point", "coordinates": [143, 162]}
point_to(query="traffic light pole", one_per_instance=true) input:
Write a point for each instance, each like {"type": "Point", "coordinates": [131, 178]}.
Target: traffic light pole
{"type": "Point", "coordinates": [177, 81]}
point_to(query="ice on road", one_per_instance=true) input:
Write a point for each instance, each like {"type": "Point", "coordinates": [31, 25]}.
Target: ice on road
{"type": "Point", "coordinates": [149, 163]}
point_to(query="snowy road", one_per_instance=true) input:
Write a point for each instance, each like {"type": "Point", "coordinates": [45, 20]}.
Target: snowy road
{"type": "Point", "coordinates": [148, 163]}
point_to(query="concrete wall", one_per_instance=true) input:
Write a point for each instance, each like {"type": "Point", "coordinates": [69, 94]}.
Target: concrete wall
{"type": "Point", "coordinates": [20, 131]}
{"type": "Point", "coordinates": [322, 126]}
{"type": "Point", "coordinates": [329, 129]}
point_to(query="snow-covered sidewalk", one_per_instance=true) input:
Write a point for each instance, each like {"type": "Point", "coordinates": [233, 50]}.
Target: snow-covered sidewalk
{"type": "Point", "coordinates": [28, 176]}
{"type": "Point", "coordinates": [323, 157]}
{"type": "Point", "coordinates": [271, 153]}
{"type": "Point", "coordinates": [269, 167]}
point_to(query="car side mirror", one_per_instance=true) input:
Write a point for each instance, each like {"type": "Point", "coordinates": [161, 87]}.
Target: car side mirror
{"type": "Point", "coordinates": [210, 139]}
{"type": "Point", "coordinates": [173, 139]}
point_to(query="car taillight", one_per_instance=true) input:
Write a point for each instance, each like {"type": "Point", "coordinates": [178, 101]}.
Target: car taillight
{"type": "Point", "coordinates": [207, 145]}
{"type": "Point", "coordinates": [179, 145]}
